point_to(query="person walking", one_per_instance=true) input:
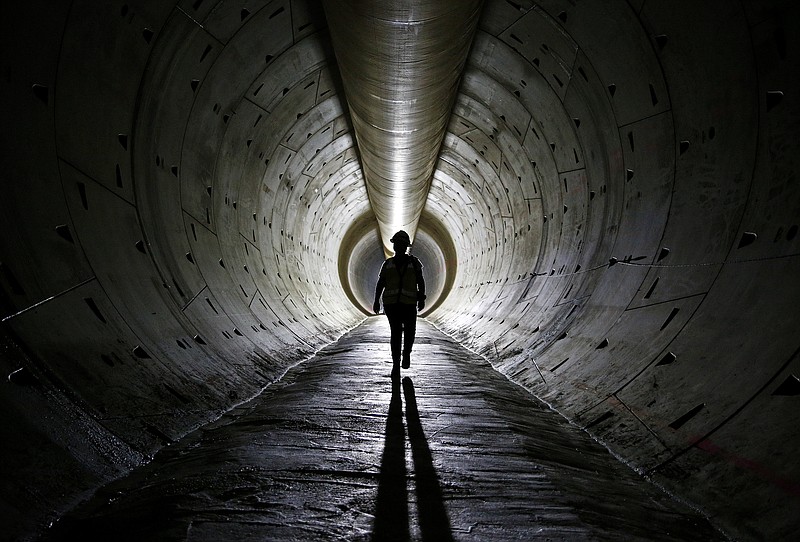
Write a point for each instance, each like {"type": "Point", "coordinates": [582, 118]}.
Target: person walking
{"type": "Point", "coordinates": [401, 286]}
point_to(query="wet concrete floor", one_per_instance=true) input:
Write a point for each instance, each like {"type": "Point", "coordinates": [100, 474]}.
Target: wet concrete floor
{"type": "Point", "coordinates": [338, 451]}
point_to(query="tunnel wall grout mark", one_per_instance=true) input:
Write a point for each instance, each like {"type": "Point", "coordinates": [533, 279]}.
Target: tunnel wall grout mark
{"type": "Point", "coordinates": [43, 301]}
{"type": "Point", "coordinates": [711, 264]}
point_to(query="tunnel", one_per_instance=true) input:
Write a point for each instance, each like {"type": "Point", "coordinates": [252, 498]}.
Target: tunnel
{"type": "Point", "coordinates": [609, 217]}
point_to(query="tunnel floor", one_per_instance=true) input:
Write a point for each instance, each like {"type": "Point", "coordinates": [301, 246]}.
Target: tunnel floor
{"type": "Point", "coordinates": [337, 451]}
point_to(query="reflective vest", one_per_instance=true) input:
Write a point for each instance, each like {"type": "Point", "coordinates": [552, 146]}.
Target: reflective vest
{"type": "Point", "coordinates": [400, 282]}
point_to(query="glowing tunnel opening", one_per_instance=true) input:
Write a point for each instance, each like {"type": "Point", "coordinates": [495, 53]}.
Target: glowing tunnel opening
{"type": "Point", "coordinates": [360, 259]}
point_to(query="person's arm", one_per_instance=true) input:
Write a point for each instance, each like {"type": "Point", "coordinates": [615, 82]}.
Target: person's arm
{"type": "Point", "coordinates": [420, 287]}
{"type": "Point", "coordinates": [376, 305]}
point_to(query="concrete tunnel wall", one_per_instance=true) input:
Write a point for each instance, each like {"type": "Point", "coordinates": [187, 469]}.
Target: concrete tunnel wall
{"type": "Point", "coordinates": [615, 207]}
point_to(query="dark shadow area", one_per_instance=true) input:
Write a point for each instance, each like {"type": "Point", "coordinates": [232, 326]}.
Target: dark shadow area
{"type": "Point", "coordinates": [133, 517]}
{"type": "Point", "coordinates": [433, 520]}
{"type": "Point", "coordinates": [391, 508]}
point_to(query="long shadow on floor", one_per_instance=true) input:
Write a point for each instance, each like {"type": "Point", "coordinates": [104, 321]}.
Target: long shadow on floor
{"type": "Point", "coordinates": [391, 509]}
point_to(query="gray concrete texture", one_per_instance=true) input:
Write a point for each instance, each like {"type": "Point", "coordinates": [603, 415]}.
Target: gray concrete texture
{"type": "Point", "coordinates": [334, 451]}
{"type": "Point", "coordinates": [612, 222]}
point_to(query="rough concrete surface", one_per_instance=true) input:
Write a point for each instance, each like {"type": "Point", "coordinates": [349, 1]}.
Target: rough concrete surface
{"type": "Point", "coordinates": [336, 450]}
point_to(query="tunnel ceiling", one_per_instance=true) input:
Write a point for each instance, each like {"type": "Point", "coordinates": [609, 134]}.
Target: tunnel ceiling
{"type": "Point", "coordinates": [401, 63]}
{"type": "Point", "coordinates": [611, 219]}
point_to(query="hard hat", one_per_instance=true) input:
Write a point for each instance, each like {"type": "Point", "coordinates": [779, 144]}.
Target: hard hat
{"type": "Point", "coordinates": [401, 236]}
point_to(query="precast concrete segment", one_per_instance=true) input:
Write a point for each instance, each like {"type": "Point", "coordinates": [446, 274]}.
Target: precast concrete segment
{"type": "Point", "coordinates": [338, 451]}
{"type": "Point", "coordinates": [619, 164]}
{"type": "Point", "coordinates": [401, 64]}
{"type": "Point", "coordinates": [188, 209]}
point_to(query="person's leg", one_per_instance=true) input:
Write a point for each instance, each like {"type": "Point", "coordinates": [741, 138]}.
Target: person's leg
{"type": "Point", "coordinates": [409, 332]}
{"type": "Point", "coordinates": [395, 316]}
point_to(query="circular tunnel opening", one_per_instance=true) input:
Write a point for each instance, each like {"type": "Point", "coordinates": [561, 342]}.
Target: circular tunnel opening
{"type": "Point", "coordinates": [361, 256]}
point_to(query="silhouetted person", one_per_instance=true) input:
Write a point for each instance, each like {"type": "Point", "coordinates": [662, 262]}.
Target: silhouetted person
{"type": "Point", "coordinates": [403, 289]}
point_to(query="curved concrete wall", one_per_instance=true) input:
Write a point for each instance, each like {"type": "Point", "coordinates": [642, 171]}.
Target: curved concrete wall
{"type": "Point", "coordinates": [183, 206]}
